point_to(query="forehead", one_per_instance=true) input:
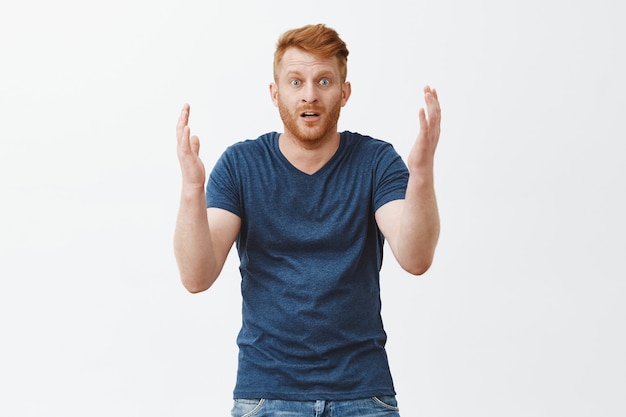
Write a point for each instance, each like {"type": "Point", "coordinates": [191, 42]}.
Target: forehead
{"type": "Point", "coordinates": [298, 60]}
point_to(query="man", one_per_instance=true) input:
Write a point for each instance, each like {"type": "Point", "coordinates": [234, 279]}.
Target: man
{"type": "Point", "coordinates": [310, 209]}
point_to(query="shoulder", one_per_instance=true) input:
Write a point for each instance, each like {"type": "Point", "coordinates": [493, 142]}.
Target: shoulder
{"type": "Point", "coordinates": [265, 141]}
{"type": "Point", "coordinates": [246, 151]}
{"type": "Point", "coordinates": [248, 156]}
{"type": "Point", "coordinates": [367, 145]}
{"type": "Point", "coordinates": [355, 139]}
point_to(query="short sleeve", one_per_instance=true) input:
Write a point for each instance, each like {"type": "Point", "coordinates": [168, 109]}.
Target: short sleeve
{"type": "Point", "coordinates": [391, 177]}
{"type": "Point", "coordinates": [222, 190]}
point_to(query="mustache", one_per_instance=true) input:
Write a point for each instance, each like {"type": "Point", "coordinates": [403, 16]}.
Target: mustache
{"type": "Point", "coordinates": [309, 109]}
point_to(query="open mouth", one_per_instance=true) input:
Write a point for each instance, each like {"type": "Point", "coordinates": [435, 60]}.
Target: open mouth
{"type": "Point", "coordinates": [309, 114]}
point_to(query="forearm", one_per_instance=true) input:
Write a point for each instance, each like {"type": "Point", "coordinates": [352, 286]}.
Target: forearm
{"type": "Point", "coordinates": [193, 247]}
{"type": "Point", "coordinates": [419, 224]}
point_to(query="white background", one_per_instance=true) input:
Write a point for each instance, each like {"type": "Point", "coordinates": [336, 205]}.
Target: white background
{"type": "Point", "coordinates": [522, 313]}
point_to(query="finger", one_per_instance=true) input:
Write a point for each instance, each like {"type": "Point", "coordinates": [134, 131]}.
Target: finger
{"type": "Point", "coordinates": [184, 145]}
{"type": "Point", "coordinates": [423, 121]}
{"type": "Point", "coordinates": [428, 89]}
{"type": "Point", "coordinates": [183, 120]}
{"type": "Point", "coordinates": [432, 105]}
{"type": "Point", "coordinates": [430, 96]}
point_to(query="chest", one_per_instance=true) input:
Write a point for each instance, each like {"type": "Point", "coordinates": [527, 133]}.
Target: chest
{"type": "Point", "coordinates": [315, 213]}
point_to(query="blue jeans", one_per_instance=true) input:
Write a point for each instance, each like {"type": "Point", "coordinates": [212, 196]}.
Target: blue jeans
{"type": "Point", "coordinates": [365, 407]}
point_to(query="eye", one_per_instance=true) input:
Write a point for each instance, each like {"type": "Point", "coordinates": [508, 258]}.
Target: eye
{"type": "Point", "coordinates": [296, 83]}
{"type": "Point", "coordinates": [324, 81]}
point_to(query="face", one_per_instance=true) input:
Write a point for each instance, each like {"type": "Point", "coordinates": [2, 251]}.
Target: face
{"type": "Point", "coordinates": [309, 94]}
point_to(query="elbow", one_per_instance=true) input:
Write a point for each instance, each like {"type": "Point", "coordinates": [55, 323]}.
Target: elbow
{"type": "Point", "coordinates": [195, 289]}
{"type": "Point", "coordinates": [417, 267]}
{"type": "Point", "coordinates": [196, 285]}
{"type": "Point", "coordinates": [418, 260]}
{"type": "Point", "coordinates": [417, 270]}
{"type": "Point", "coordinates": [196, 278]}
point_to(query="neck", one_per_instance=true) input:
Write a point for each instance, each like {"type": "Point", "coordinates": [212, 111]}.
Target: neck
{"type": "Point", "coordinates": [308, 156]}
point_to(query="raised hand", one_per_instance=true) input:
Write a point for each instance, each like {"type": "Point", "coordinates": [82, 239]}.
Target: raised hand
{"type": "Point", "coordinates": [422, 155]}
{"type": "Point", "coordinates": [192, 168]}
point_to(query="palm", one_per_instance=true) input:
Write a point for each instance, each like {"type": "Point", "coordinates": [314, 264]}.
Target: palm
{"type": "Point", "coordinates": [188, 149]}
{"type": "Point", "coordinates": [423, 152]}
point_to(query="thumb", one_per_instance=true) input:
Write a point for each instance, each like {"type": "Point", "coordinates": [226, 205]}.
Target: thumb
{"type": "Point", "coordinates": [194, 143]}
{"type": "Point", "coordinates": [423, 120]}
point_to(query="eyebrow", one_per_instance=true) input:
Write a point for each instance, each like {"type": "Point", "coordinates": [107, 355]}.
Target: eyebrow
{"type": "Point", "coordinates": [323, 74]}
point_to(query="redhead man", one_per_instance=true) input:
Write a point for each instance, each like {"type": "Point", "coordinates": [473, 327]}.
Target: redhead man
{"type": "Point", "coordinates": [309, 209]}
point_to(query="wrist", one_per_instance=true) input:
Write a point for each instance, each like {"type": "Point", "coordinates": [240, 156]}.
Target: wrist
{"type": "Point", "coordinates": [192, 191]}
{"type": "Point", "coordinates": [422, 175]}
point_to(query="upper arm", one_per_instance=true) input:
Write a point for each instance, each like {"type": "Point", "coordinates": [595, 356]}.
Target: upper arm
{"type": "Point", "coordinates": [224, 227]}
{"type": "Point", "coordinates": [388, 221]}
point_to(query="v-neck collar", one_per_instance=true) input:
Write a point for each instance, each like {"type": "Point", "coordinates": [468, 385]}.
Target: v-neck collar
{"type": "Point", "coordinates": [321, 170]}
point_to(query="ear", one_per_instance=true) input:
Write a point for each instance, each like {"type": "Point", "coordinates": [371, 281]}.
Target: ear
{"type": "Point", "coordinates": [274, 93]}
{"type": "Point", "coordinates": [346, 90]}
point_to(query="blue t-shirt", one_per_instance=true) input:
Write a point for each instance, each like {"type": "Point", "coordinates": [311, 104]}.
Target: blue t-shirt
{"type": "Point", "coordinates": [310, 255]}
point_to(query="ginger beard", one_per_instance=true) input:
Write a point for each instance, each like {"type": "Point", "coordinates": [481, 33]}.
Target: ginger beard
{"type": "Point", "coordinates": [314, 131]}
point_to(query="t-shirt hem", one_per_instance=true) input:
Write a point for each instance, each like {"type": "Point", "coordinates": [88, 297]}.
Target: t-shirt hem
{"type": "Point", "coordinates": [314, 396]}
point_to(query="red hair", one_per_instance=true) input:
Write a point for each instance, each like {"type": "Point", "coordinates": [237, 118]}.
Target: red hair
{"type": "Point", "coordinates": [319, 40]}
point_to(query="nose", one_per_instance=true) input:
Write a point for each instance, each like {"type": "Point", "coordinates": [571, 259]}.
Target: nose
{"type": "Point", "coordinates": [309, 93]}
